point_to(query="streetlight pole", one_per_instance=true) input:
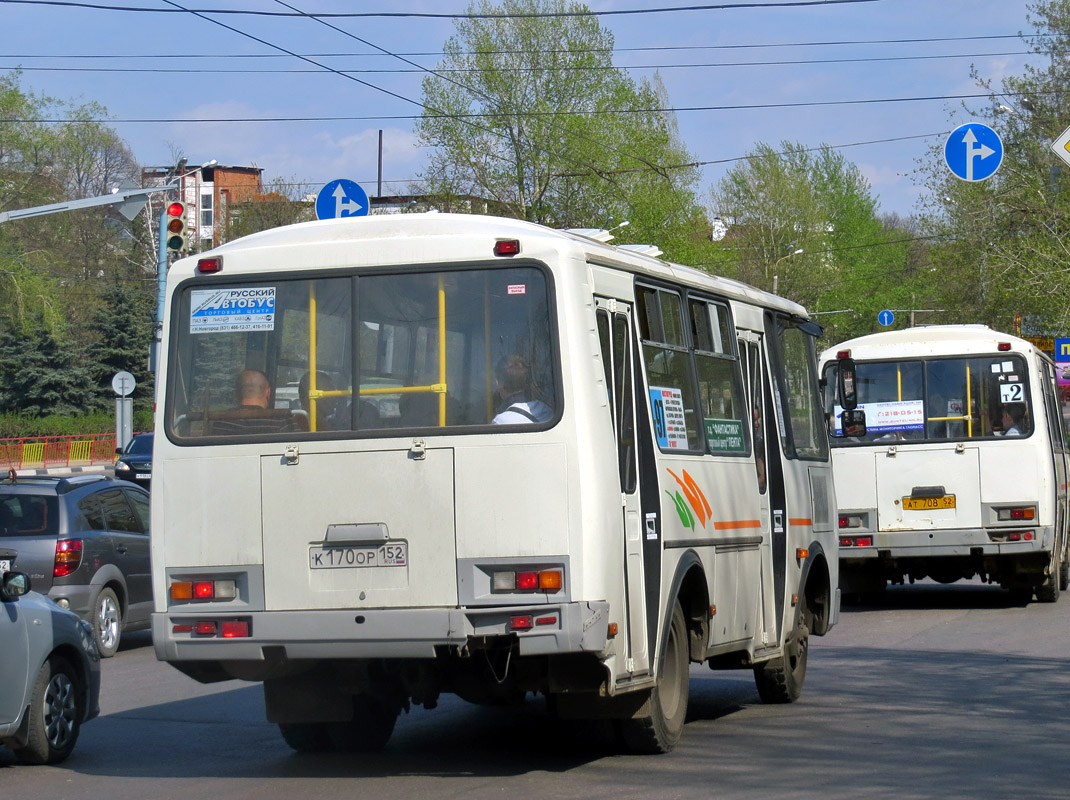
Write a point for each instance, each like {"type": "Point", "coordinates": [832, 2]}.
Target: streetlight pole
{"type": "Point", "coordinates": [776, 278]}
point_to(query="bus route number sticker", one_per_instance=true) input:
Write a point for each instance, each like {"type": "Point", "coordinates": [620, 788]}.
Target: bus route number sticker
{"type": "Point", "coordinates": [393, 554]}
{"type": "Point", "coordinates": [667, 405]}
{"type": "Point", "coordinates": [1011, 393]}
{"type": "Point", "coordinates": [232, 310]}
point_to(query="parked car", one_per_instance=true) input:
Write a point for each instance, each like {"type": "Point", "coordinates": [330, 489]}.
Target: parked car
{"type": "Point", "coordinates": [50, 668]}
{"type": "Point", "coordinates": [84, 541]}
{"type": "Point", "coordinates": [135, 461]}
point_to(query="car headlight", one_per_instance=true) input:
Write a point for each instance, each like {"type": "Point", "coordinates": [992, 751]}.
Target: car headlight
{"type": "Point", "coordinates": [122, 466]}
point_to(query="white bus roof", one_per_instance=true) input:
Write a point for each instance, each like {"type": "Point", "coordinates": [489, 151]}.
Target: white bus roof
{"type": "Point", "coordinates": [397, 238]}
{"type": "Point", "coordinates": [928, 340]}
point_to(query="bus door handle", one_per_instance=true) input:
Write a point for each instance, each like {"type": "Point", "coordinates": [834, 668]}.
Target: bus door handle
{"type": "Point", "coordinates": [292, 455]}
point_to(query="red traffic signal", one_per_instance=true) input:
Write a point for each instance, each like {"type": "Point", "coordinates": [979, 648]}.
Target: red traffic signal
{"type": "Point", "coordinates": [175, 227]}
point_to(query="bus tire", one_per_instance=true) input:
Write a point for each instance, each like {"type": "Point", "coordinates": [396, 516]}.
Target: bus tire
{"type": "Point", "coordinates": [369, 730]}
{"type": "Point", "coordinates": [1048, 589]}
{"type": "Point", "coordinates": [780, 680]}
{"type": "Point", "coordinates": [657, 728]}
{"type": "Point", "coordinates": [306, 737]}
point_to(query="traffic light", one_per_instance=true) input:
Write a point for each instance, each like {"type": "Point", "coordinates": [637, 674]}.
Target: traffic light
{"type": "Point", "coordinates": [175, 227]}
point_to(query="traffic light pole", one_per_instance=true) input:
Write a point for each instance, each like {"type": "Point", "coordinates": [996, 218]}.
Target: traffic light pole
{"type": "Point", "coordinates": [161, 289]}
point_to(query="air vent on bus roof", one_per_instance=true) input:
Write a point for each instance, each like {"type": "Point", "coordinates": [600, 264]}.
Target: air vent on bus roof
{"type": "Point", "coordinates": [651, 250]}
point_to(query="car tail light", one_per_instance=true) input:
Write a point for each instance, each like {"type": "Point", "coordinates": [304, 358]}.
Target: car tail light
{"type": "Point", "coordinates": [68, 557]}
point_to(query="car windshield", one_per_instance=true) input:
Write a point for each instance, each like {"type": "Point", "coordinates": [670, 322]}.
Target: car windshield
{"type": "Point", "coordinates": [140, 445]}
{"type": "Point", "coordinates": [28, 515]}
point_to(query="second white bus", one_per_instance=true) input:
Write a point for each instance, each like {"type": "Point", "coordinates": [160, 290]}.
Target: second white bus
{"type": "Point", "coordinates": [963, 469]}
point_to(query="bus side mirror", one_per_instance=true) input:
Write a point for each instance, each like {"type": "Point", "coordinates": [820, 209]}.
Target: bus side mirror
{"type": "Point", "coordinates": [847, 386]}
{"type": "Point", "coordinates": [853, 422]}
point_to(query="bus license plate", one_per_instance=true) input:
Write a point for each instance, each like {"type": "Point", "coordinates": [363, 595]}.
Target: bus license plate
{"type": "Point", "coordinates": [392, 554]}
{"type": "Point", "coordinates": [5, 565]}
{"type": "Point", "coordinates": [928, 503]}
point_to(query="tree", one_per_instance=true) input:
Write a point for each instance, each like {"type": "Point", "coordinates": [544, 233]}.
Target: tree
{"type": "Point", "coordinates": [1001, 248]}
{"type": "Point", "coordinates": [38, 375]}
{"type": "Point", "coordinates": [540, 125]}
{"type": "Point", "coordinates": [804, 223]}
{"type": "Point", "coordinates": [281, 203]}
{"type": "Point", "coordinates": [123, 325]}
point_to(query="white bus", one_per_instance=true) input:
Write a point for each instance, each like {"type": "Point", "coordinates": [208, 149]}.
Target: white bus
{"type": "Point", "coordinates": [962, 471]}
{"type": "Point", "coordinates": [495, 459]}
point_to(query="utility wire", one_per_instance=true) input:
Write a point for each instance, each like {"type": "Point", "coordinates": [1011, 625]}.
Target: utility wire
{"type": "Point", "coordinates": [442, 73]}
{"type": "Point", "coordinates": [431, 15]}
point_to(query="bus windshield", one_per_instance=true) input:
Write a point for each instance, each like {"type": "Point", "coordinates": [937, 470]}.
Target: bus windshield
{"type": "Point", "coordinates": [944, 399]}
{"type": "Point", "coordinates": [347, 355]}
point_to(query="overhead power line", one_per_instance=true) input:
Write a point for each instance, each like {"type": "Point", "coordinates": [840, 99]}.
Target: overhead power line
{"type": "Point", "coordinates": [441, 72]}
{"type": "Point", "coordinates": [512, 114]}
{"type": "Point", "coordinates": [572, 51]}
{"type": "Point", "coordinates": [434, 15]}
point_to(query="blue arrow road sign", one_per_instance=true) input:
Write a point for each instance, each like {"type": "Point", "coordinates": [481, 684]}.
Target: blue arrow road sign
{"type": "Point", "coordinates": [341, 198]}
{"type": "Point", "coordinates": [973, 152]}
{"type": "Point", "coordinates": [886, 318]}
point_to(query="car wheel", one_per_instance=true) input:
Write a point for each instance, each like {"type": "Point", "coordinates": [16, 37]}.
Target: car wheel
{"type": "Point", "coordinates": [55, 715]}
{"type": "Point", "coordinates": [107, 622]}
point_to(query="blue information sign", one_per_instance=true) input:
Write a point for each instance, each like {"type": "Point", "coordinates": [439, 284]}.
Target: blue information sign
{"type": "Point", "coordinates": [886, 318]}
{"type": "Point", "coordinates": [341, 198]}
{"type": "Point", "coordinates": [1062, 350]}
{"type": "Point", "coordinates": [973, 152]}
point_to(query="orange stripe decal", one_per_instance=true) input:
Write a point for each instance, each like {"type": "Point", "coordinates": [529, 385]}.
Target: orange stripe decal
{"type": "Point", "coordinates": [800, 521]}
{"type": "Point", "coordinates": [736, 524]}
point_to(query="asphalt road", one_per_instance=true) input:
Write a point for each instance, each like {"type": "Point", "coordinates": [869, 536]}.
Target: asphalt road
{"type": "Point", "coordinates": [935, 692]}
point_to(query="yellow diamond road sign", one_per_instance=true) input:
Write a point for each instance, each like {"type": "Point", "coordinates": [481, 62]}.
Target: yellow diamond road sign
{"type": "Point", "coordinates": [1061, 146]}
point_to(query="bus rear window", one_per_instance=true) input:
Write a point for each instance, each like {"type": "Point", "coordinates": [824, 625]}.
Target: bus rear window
{"type": "Point", "coordinates": [940, 399]}
{"type": "Point", "coordinates": [363, 354]}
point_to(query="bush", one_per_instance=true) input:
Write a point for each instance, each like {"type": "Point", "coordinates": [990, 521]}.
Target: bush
{"type": "Point", "coordinates": [17, 426]}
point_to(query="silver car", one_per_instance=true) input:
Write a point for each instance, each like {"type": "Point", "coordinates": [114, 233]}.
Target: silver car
{"type": "Point", "coordinates": [50, 668]}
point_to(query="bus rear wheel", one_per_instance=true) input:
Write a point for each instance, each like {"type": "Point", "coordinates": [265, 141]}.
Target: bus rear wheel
{"type": "Point", "coordinates": [780, 680]}
{"type": "Point", "coordinates": [1048, 589]}
{"type": "Point", "coordinates": [369, 730]}
{"type": "Point", "coordinates": [658, 726]}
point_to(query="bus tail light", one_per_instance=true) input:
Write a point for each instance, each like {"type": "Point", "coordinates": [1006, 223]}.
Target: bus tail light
{"type": "Point", "coordinates": [530, 580]}
{"type": "Point", "coordinates": [1016, 513]}
{"type": "Point", "coordinates": [856, 541]}
{"type": "Point", "coordinates": [521, 622]}
{"type": "Point", "coordinates": [203, 590]}
{"type": "Point", "coordinates": [507, 247]}
{"type": "Point", "coordinates": [210, 628]}
{"type": "Point", "coordinates": [210, 266]}
{"type": "Point", "coordinates": [851, 521]}
{"type": "Point", "coordinates": [68, 557]}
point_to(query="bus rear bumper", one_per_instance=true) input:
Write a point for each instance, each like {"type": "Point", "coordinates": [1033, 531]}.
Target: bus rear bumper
{"type": "Point", "coordinates": [948, 543]}
{"type": "Point", "coordinates": [374, 633]}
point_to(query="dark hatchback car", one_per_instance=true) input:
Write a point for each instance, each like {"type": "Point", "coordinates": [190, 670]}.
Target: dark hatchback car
{"type": "Point", "coordinates": [84, 541]}
{"type": "Point", "coordinates": [135, 462]}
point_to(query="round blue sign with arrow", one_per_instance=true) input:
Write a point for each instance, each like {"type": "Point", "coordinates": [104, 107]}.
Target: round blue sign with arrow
{"type": "Point", "coordinates": [342, 198]}
{"type": "Point", "coordinates": [886, 318]}
{"type": "Point", "coordinates": [973, 152]}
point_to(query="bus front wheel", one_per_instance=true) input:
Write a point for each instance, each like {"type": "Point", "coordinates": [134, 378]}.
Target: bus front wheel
{"type": "Point", "coordinates": [658, 726]}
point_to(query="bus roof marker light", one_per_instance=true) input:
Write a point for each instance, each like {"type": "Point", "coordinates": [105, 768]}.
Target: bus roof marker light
{"type": "Point", "coordinates": [1003, 347]}
{"type": "Point", "coordinates": [210, 266]}
{"type": "Point", "coordinates": [507, 247]}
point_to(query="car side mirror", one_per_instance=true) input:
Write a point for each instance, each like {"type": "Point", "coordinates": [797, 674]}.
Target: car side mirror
{"type": "Point", "coordinates": [118, 451]}
{"type": "Point", "coordinates": [14, 585]}
{"type": "Point", "coordinates": [853, 422]}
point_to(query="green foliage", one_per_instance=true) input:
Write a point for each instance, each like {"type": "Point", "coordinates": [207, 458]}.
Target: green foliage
{"type": "Point", "coordinates": [17, 426]}
{"type": "Point", "coordinates": [38, 375]}
{"type": "Point", "coordinates": [283, 202]}
{"type": "Point", "coordinates": [123, 325]}
{"type": "Point", "coordinates": [781, 202]}
{"type": "Point", "coordinates": [1000, 245]}
{"type": "Point", "coordinates": [560, 135]}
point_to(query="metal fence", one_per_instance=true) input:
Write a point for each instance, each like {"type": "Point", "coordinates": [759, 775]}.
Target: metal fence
{"type": "Point", "coordinates": [57, 451]}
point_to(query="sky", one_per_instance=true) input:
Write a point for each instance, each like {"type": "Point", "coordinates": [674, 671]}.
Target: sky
{"type": "Point", "coordinates": [800, 63]}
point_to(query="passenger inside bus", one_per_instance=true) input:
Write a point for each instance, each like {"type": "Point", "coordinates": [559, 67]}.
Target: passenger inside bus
{"type": "Point", "coordinates": [253, 413]}
{"type": "Point", "coordinates": [1013, 419]}
{"type": "Point", "coordinates": [517, 401]}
